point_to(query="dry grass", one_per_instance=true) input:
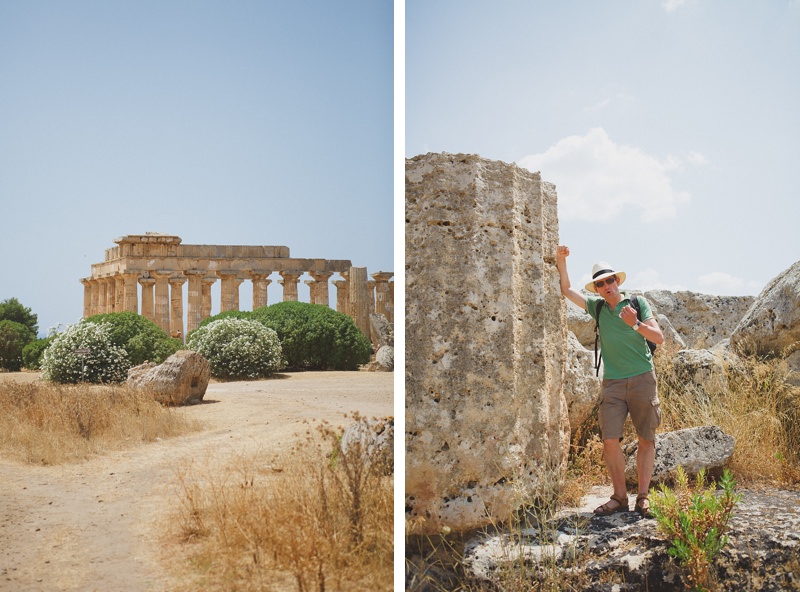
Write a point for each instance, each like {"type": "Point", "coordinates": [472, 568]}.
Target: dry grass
{"type": "Point", "coordinates": [46, 423]}
{"type": "Point", "coordinates": [315, 518]}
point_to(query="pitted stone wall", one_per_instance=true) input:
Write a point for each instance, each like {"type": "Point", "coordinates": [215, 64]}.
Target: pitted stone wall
{"type": "Point", "coordinates": [485, 340]}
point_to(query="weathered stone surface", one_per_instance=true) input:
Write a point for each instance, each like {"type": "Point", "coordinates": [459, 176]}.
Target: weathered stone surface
{"type": "Point", "coordinates": [385, 358]}
{"type": "Point", "coordinates": [704, 447]}
{"type": "Point", "coordinates": [701, 320]}
{"type": "Point", "coordinates": [699, 367]}
{"type": "Point", "coordinates": [373, 440]}
{"type": "Point", "coordinates": [581, 386]}
{"type": "Point", "coordinates": [485, 340]}
{"type": "Point", "coordinates": [181, 380]}
{"type": "Point", "coordinates": [624, 552]}
{"type": "Point", "coordinates": [381, 329]}
{"type": "Point", "coordinates": [771, 325]}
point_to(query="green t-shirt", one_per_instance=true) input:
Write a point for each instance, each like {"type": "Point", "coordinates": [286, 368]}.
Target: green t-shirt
{"type": "Point", "coordinates": [625, 351]}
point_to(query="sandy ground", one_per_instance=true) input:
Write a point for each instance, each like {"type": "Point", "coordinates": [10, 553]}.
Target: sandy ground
{"type": "Point", "coordinates": [100, 525]}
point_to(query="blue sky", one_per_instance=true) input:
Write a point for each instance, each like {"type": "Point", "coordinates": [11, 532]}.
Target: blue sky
{"type": "Point", "coordinates": [671, 129]}
{"type": "Point", "coordinates": [244, 122]}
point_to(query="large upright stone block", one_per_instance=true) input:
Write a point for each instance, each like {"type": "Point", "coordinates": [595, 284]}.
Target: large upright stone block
{"type": "Point", "coordinates": [486, 419]}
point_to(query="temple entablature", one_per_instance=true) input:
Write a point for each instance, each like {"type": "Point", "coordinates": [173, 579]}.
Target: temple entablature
{"type": "Point", "coordinates": [149, 274]}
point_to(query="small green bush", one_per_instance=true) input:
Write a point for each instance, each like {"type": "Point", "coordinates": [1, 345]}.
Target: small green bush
{"type": "Point", "coordinates": [695, 520]}
{"type": "Point", "coordinates": [139, 336]}
{"type": "Point", "coordinates": [85, 352]}
{"type": "Point", "coordinates": [238, 348]}
{"type": "Point", "coordinates": [33, 352]}
{"type": "Point", "coordinates": [316, 337]}
{"type": "Point", "coordinates": [14, 337]}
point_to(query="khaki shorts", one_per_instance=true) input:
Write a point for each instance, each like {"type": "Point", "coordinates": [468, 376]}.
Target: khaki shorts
{"type": "Point", "coordinates": [638, 396]}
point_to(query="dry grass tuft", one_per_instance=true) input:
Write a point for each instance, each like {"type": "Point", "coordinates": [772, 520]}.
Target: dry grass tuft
{"type": "Point", "coordinates": [46, 423]}
{"type": "Point", "coordinates": [315, 518]}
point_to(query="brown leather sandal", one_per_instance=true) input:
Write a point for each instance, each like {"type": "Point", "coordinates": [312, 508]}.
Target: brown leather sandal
{"type": "Point", "coordinates": [605, 510]}
{"type": "Point", "coordinates": [642, 506]}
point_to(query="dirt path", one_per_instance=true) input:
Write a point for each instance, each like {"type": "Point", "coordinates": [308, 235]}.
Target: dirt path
{"type": "Point", "coordinates": [98, 525]}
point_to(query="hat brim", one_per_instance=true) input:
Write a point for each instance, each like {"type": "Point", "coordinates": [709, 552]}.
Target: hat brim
{"type": "Point", "coordinates": [620, 278]}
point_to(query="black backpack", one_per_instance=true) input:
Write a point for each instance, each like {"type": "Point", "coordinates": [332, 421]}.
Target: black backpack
{"type": "Point", "coordinates": [598, 356]}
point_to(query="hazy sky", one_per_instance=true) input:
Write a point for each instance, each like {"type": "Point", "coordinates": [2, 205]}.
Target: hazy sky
{"type": "Point", "coordinates": [236, 122]}
{"type": "Point", "coordinates": [670, 129]}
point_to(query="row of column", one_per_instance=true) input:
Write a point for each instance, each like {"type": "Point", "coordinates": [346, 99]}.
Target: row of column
{"type": "Point", "coordinates": [162, 295]}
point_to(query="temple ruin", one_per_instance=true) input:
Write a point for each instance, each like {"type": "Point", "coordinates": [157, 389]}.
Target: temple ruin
{"type": "Point", "coordinates": [145, 273]}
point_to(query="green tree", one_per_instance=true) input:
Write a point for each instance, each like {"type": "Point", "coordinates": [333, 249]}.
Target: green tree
{"type": "Point", "coordinates": [33, 352]}
{"type": "Point", "coordinates": [12, 310]}
{"type": "Point", "coordinates": [14, 337]}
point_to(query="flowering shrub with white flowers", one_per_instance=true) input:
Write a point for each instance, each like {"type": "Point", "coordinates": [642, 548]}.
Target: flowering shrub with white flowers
{"type": "Point", "coordinates": [85, 353]}
{"type": "Point", "coordinates": [238, 348]}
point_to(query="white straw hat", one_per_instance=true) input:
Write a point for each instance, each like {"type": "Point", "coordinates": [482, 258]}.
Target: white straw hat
{"type": "Point", "coordinates": [601, 271]}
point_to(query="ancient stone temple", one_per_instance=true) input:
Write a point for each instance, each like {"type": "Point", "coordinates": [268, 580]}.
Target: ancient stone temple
{"type": "Point", "coordinates": [486, 418]}
{"type": "Point", "coordinates": [146, 273]}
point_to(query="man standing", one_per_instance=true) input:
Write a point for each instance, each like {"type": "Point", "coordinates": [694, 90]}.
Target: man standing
{"type": "Point", "coordinates": [629, 379]}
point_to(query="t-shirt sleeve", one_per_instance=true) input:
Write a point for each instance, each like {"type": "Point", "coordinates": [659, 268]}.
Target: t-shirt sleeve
{"type": "Point", "coordinates": [647, 312]}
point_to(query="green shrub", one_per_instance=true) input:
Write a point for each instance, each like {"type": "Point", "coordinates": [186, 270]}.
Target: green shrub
{"type": "Point", "coordinates": [238, 348]}
{"type": "Point", "coordinates": [33, 352]}
{"type": "Point", "coordinates": [315, 337]}
{"type": "Point", "coordinates": [139, 336]}
{"type": "Point", "coordinates": [14, 337]}
{"type": "Point", "coordinates": [695, 520]}
{"type": "Point", "coordinates": [85, 352]}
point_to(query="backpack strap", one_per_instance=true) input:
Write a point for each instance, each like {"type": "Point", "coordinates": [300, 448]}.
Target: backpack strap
{"type": "Point", "coordinates": [598, 356]}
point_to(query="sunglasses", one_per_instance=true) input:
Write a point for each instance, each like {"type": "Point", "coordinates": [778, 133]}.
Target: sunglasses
{"type": "Point", "coordinates": [606, 282]}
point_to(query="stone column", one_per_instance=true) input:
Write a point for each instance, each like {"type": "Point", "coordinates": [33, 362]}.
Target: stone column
{"type": "Point", "coordinates": [208, 281]}
{"type": "Point", "coordinates": [383, 300]}
{"type": "Point", "coordinates": [229, 293]}
{"type": "Point", "coordinates": [260, 283]}
{"type": "Point", "coordinates": [342, 295]}
{"type": "Point", "coordinates": [119, 293]}
{"type": "Point", "coordinates": [289, 283]}
{"type": "Point", "coordinates": [195, 301]}
{"type": "Point", "coordinates": [485, 341]}
{"type": "Point", "coordinates": [176, 306]}
{"type": "Point", "coordinates": [148, 307]}
{"type": "Point", "coordinates": [359, 298]}
{"type": "Point", "coordinates": [130, 300]}
{"type": "Point", "coordinates": [102, 288]}
{"type": "Point", "coordinates": [319, 287]}
{"type": "Point", "coordinates": [371, 291]}
{"type": "Point", "coordinates": [87, 297]}
{"type": "Point", "coordinates": [162, 298]}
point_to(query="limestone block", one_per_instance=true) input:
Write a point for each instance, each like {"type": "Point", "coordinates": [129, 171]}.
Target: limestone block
{"type": "Point", "coordinates": [486, 418]}
{"type": "Point", "coordinates": [772, 324]}
{"type": "Point", "coordinates": [181, 380]}
{"type": "Point", "coordinates": [704, 447]}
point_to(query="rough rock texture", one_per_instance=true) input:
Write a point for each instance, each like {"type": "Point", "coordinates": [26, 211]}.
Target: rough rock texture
{"type": "Point", "coordinates": [181, 380]}
{"type": "Point", "coordinates": [385, 358]}
{"type": "Point", "coordinates": [705, 447]}
{"type": "Point", "coordinates": [381, 329]}
{"type": "Point", "coordinates": [771, 326]}
{"type": "Point", "coordinates": [485, 340]}
{"type": "Point", "coordinates": [581, 386]}
{"type": "Point", "coordinates": [373, 440]}
{"type": "Point", "coordinates": [701, 320]}
{"type": "Point", "coordinates": [624, 552]}
{"type": "Point", "coordinates": [699, 366]}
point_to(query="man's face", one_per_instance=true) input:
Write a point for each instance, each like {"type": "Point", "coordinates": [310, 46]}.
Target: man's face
{"type": "Point", "coordinates": [607, 287]}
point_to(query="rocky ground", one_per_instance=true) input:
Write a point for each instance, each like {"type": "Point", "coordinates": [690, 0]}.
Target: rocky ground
{"type": "Point", "coordinates": [624, 552]}
{"type": "Point", "coordinates": [103, 525]}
